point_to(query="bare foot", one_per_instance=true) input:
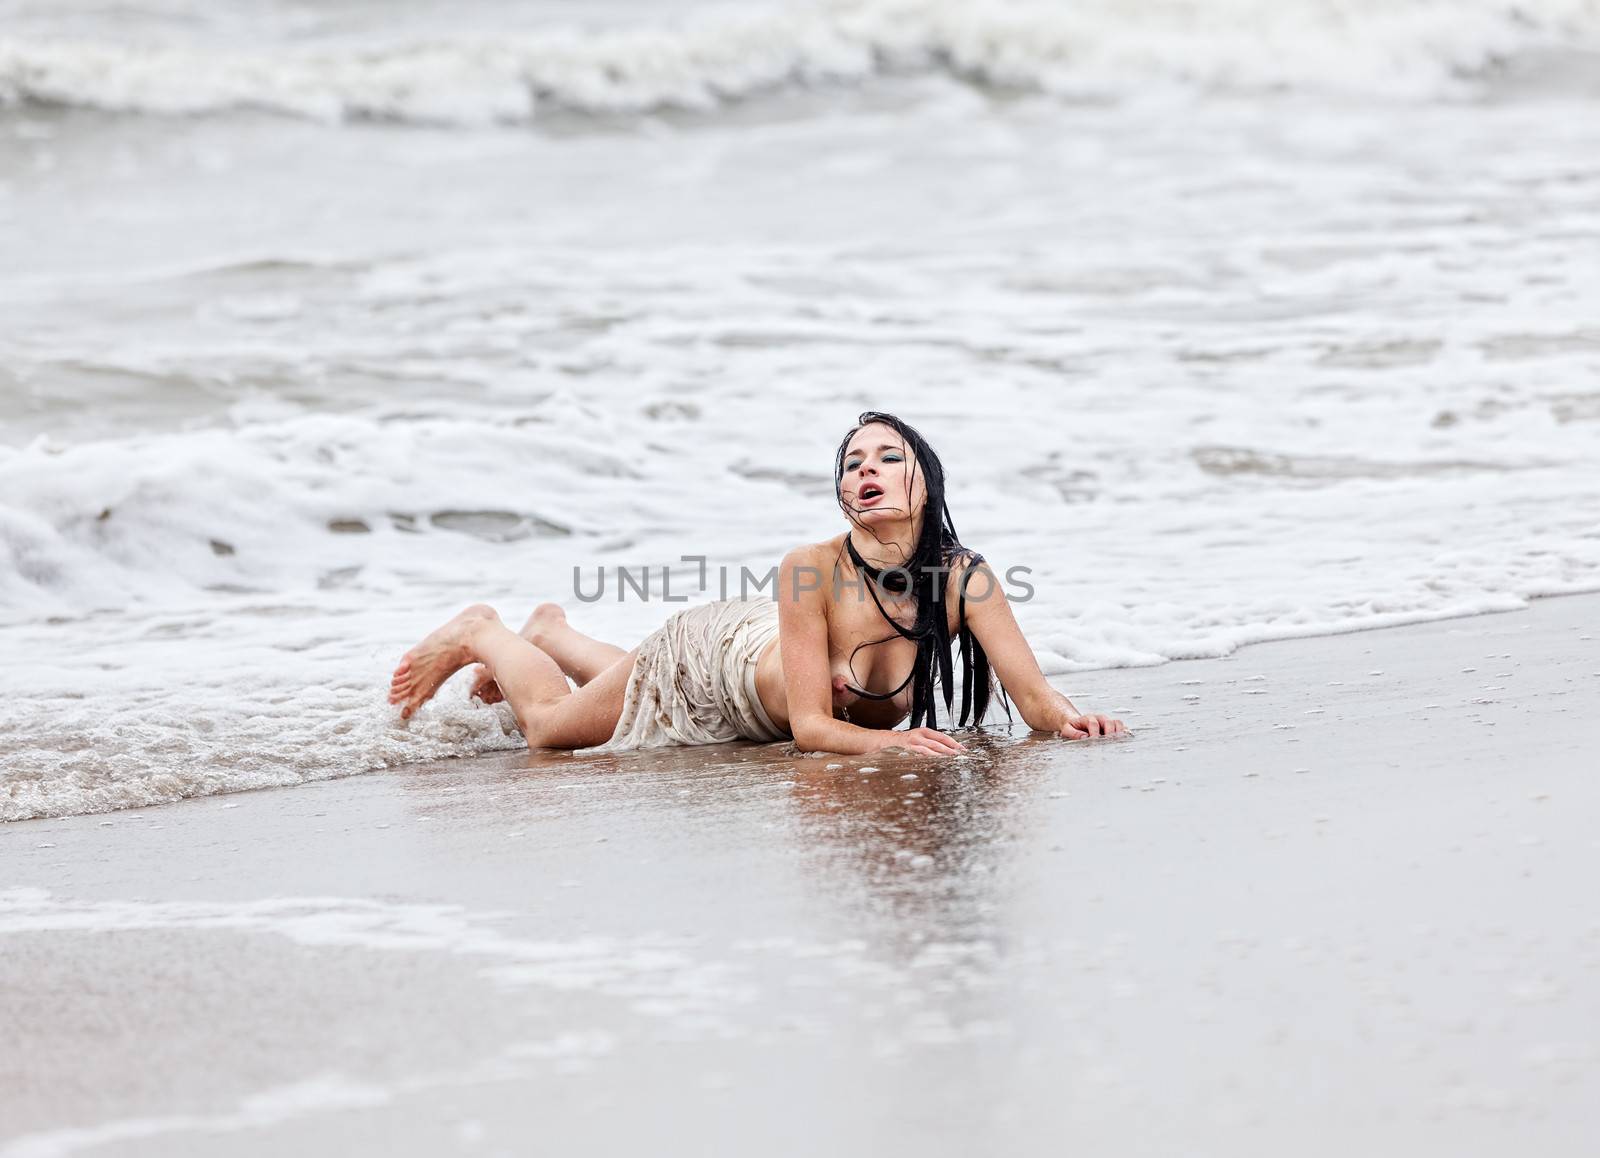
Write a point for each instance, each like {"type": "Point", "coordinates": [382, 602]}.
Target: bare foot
{"type": "Point", "coordinates": [441, 654]}
{"type": "Point", "coordinates": [545, 617]}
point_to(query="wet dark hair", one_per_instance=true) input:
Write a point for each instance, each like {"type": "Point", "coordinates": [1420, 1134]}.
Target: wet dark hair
{"type": "Point", "coordinates": [937, 551]}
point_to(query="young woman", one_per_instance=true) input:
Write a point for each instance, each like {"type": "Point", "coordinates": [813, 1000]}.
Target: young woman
{"type": "Point", "coordinates": [790, 665]}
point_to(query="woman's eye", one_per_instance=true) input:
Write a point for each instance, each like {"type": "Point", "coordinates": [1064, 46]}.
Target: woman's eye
{"type": "Point", "coordinates": [891, 458]}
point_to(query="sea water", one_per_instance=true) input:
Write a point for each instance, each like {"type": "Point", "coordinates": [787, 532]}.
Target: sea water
{"type": "Point", "coordinates": [1232, 320]}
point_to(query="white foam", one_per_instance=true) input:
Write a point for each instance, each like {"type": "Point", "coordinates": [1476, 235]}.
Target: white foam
{"type": "Point", "coordinates": [1098, 47]}
{"type": "Point", "coordinates": [181, 684]}
{"type": "Point", "coordinates": [597, 964]}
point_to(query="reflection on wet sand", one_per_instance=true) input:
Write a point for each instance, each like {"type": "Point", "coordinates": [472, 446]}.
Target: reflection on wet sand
{"type": "Point", "coordinates": [892, 849]}
{"type": "Point", "coordinates": [910, 848]}
{"type": "Point", "coordinates": [870, 896]}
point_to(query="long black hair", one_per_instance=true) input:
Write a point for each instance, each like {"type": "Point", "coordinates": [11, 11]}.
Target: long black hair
{"type": "Point", "coordinates": [937, 551]}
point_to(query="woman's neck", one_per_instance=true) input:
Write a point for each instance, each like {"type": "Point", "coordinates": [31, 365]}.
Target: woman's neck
{"type": "Point", "coordinates": [886, 546]}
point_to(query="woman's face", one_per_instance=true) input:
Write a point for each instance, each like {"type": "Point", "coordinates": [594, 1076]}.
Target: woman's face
{"type": "Point", "coordinates": [881, 481]}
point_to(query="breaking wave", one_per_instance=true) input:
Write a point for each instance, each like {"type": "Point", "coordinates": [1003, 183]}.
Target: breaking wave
{"type": "Point", "coordinates": [1094, 49]}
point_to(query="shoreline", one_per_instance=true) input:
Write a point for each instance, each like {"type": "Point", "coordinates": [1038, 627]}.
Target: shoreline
{"type": "Point", "coordinates": [1404, 621]}
{"type": "Point", "coordinates": [1332, 895]}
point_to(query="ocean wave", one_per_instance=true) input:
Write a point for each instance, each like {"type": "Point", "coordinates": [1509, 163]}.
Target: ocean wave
{"type": "Point", "coordinates": [1100, 49]}
{"type": "Point", "coordinates": [285, 505]}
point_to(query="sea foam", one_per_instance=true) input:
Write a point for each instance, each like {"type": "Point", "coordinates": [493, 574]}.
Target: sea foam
{"type": "Point", "coordinates": [1101, 49]}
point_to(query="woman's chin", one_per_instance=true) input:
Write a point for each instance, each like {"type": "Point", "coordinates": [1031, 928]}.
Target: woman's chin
{"type": "Point", "coordinates": [872, 515]}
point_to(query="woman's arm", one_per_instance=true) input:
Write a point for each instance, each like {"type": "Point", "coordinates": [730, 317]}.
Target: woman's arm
{"type": "Point", "coordinates": [808, 680]}
{"type": "Point", "coordinates": [995, 627]}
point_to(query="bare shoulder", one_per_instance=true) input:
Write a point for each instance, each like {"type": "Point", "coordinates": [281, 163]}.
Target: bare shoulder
{"type": "Point", "coordinates": [970, 586]}
{"type": "Point", "coordinates": [814, 551]}
{"type": "Point", "coordinates": [804, 569]}
{"type": "Point", "coordinates": [966, 570]}
{"type": "Point", "coordinates": [818, 555]}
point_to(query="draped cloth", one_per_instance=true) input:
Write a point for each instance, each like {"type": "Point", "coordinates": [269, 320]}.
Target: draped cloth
{"type": "Point", "coordinates": [694, 679]}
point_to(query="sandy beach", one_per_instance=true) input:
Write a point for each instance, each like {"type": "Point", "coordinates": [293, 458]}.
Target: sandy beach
{"type": "Point", "coordinates": [1262, 330]}
{"type": "Point", "coordinates": [1334, 896]}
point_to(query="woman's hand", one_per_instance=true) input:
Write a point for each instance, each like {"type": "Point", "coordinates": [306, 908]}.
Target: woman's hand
{"type": "Point", "coordinates": [1077, 727]}
{"type": "Point", "coordinates": [926, 741]}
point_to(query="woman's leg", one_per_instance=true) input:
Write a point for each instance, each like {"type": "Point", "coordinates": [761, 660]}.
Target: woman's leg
{"type": "Point", "coordinates": [550, 714]}
{"type": "Point", "coordinates": [446, 650]}
{"type": "Point", "coordinates": [580, 657]}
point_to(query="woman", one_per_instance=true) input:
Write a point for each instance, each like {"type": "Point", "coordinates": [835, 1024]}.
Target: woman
{"type": "Point", "coordinates": [789, 666]}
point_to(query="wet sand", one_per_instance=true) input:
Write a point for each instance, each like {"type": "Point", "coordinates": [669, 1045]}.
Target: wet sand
{"type": "Point", "coordinates": [1335, 896]}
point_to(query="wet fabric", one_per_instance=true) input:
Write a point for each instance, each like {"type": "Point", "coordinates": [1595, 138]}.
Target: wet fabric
{"type": "Point", "coordinates": [694, 679]}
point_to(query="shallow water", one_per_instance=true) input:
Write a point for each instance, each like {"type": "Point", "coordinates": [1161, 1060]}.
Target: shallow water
{"type": "Point", "coordinates": [311, 337]}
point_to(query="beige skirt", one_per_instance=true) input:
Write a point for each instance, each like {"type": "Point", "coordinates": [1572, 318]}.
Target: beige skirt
{"type": "Point", "coordinates": [694, 679]}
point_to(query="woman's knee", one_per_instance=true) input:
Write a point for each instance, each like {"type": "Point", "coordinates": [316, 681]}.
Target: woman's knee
{"type": "Point", "coordinates": [538, 741]}
{"type": "Point", "coordinates": [541, 723]}
{"type": "Point", "coordinates": [545, 733]}
{"type": "Point", "coordinates": [569, 723]}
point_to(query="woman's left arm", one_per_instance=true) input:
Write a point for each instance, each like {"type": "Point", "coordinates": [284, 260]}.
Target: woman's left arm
{"type": "Point", "coordinates": [995, 628]}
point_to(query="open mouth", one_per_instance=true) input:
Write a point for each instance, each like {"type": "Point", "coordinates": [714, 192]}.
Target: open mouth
{"type": "Point", "coordinates": [869, 494]}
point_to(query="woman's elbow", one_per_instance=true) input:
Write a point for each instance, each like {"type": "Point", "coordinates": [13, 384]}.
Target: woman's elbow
{"type": "Point", "coordinates": [810, 733]}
